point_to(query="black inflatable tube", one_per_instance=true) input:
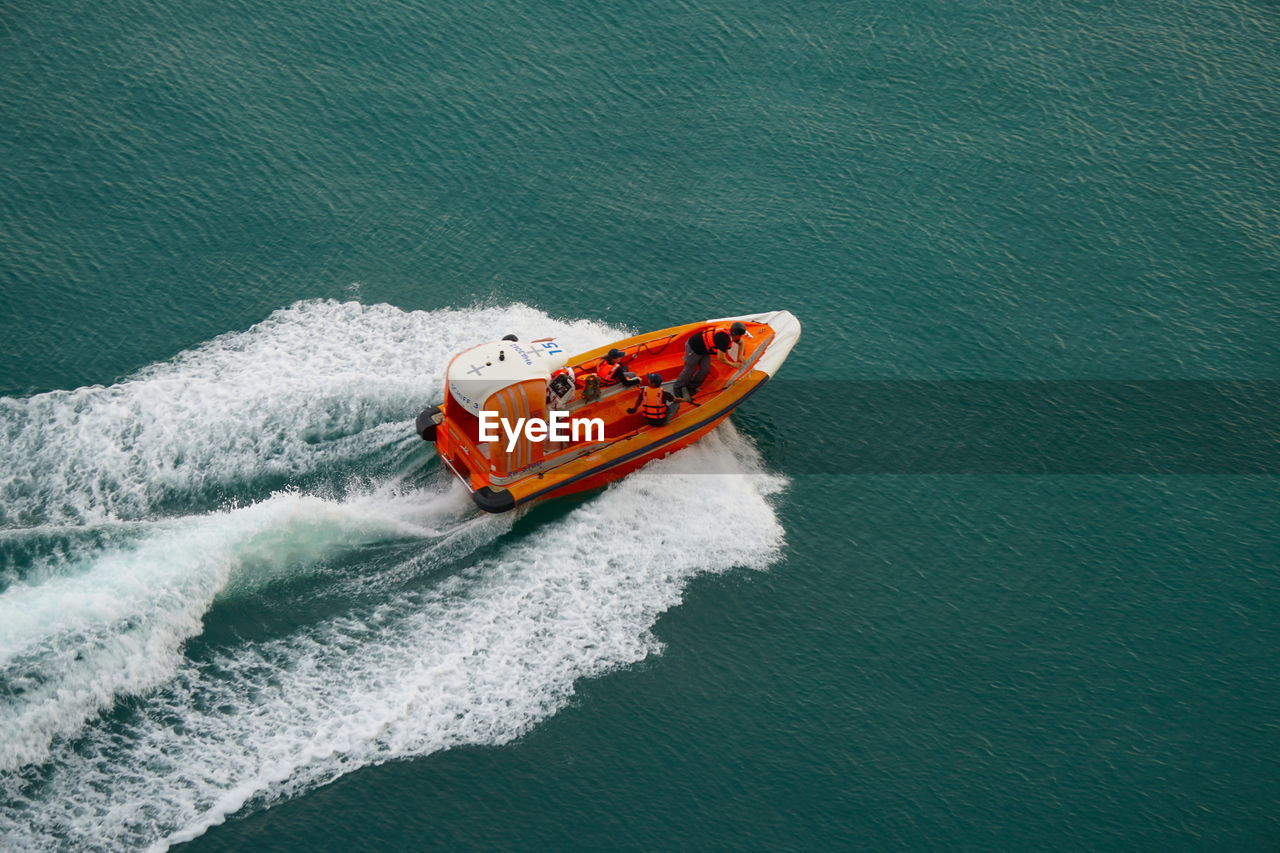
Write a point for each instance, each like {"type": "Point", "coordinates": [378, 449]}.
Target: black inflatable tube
{"type": "Point", "coordinates": [490, 499]}
{"type": "Point", "coordinates": [426, 423]}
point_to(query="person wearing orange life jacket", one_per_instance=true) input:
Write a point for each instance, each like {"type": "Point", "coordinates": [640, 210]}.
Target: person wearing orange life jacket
{"type": "Point", "coordinates": [656, 406]}
{"type": "Point", "coordinates": [611, 371]}
{"type": "Point", "coordinates": [702, 344]}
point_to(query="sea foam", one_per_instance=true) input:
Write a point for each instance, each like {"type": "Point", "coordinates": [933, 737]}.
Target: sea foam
{"type": "Point", "coordinates": [309, 385]}
{"type": "Point", "coordinates": [474, 654]}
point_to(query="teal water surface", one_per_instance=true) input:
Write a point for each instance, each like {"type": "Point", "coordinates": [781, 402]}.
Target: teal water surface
{"type": "Point", "coordinates": [242, 606]}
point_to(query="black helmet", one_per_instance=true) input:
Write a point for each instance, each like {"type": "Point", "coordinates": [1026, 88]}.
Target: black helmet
{"type": "Point", "coordinates": [614, 353]}
{"type": "Point", "coordinates": [655, 379]}
{"type": "Point", "coordinates": [737, 329]}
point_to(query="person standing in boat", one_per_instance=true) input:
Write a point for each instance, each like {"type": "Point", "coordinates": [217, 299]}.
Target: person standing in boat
{"type": "Point", "coordinates": [612, 372]}
{"type": "Point", "coordinates": [656, 405]}
{"type": "Point", "coordinates": [699, 349]}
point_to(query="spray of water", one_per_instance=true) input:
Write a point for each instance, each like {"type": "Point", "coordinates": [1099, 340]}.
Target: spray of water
{"type": "Point", "coordinates": [308, 387]}
{"type": "Point", "coordinates": [474, 653]}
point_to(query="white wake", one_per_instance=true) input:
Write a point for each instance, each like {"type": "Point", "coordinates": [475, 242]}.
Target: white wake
{"type": "Point", "coordinates": [476, 656]}
{"type": "Point", "coordinates": [316, 383]}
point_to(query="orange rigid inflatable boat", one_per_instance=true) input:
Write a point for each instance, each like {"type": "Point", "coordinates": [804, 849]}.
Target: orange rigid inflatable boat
{"type": "Point", "coordinates": [509, 378]}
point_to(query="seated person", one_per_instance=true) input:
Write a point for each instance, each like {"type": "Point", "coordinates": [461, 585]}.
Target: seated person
{"type": "Point", "coordinates": [562, 389]}
{"type": "Point", "coordinates": [656, 406]}
{"type": "Point", "coordinates": [611, 371]}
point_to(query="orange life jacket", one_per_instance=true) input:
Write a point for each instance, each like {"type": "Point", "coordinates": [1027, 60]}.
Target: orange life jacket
{"type": "Point", "coordinates": [608, 373]}
{"type": "Point", "coordinates": [653, 404]}
{"type": "Point", "coordinates": [709, 337]}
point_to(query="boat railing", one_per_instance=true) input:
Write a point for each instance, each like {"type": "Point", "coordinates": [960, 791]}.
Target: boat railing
{"type": "Point", "coordinates": [656, 346]}
{"type": "Point", "coordinates": [750, 361]}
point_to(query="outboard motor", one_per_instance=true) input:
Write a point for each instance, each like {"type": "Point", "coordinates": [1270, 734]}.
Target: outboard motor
{"type": "Point", "coordinates": [427, 422]}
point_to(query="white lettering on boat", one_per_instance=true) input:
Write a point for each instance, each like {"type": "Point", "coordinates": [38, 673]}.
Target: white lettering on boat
{"type": "Point", "coordinates": [559, 427]}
